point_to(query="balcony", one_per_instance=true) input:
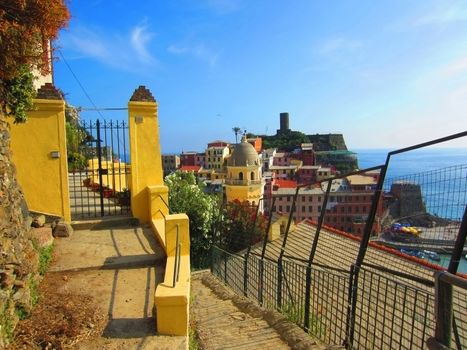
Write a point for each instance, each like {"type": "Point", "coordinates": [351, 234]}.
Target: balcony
{"type": "Point", "coordinates": [242, 182]}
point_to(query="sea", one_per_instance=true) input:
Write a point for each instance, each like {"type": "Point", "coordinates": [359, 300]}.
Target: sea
{"type": "Point", "coordinates": [441, 173]}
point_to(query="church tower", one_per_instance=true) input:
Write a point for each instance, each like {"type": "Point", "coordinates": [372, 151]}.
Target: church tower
{"type": "Point", "coordinates": [244, 180]}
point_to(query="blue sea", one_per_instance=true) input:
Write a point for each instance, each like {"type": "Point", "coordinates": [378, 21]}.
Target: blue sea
{"type": "Point", "coordinates": [441, 173]}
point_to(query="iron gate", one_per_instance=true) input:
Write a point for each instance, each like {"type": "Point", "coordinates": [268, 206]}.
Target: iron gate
{"type": "Point", "coordinates": [99, 169]}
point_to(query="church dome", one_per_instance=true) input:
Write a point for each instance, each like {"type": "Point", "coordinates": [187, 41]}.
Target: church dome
{"type": "Point", "coordinates": [244, 154]}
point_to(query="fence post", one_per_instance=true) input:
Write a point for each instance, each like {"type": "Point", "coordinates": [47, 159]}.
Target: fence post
{"type": "Point", "coordinates": [306, 321]}
{"type": "Point", "coordinates": [459, 246]}
{"type": "Point", "coordinates": [99, 162]}
{"type": "Point", "coordinates": [351, 307]}
{"type": "Point", "coordinates": [225, 267]}
{"type": "Point", "coordinates": [443, 311]}
{"type": "Point", "coordinates": [245, 275]}
{"type": "Point", "coordinates": [279, 283]}
{"type": "Point", "coordinates": [260, 281]}
{"type": "Point", "coordinates": [263, 252]}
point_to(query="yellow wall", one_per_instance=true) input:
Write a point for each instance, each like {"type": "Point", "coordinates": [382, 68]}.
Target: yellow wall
{"type": "Point", "coordinates": [234, 173]}
{"type": "Point", "coordinates": [119, 174]}
{"type": "Point", "coordinates": [145, 155]}
{"type": "Point", "coordinates": [246, 190]}
{"type": "Point", "coordinates": [173, 301]}
{"type": "Point", "coordinates": [242, 193]}
{"type": "Point", "coordinates": [44, 179]}
{"type": "Point", "coordinates": [149, 203]}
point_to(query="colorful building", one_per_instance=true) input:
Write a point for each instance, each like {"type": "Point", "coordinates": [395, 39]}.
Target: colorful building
{"type": "Point", "coordinates": [170, 163]}
{"type": "Point", "coordinates": [347, 208]}
{"type": "Point", "coordinates": [244, 181]}
{"type": "Point", "coordinates": [215, 155]}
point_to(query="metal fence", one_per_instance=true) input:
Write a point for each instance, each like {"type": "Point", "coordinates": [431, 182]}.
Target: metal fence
{"type": "Point", "coordinates": [99, 170]}
{"type": "Point", "coordinates": [365, 290]}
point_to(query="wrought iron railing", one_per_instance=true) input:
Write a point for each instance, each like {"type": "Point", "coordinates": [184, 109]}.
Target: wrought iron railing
{"type": "Point", "coordinates": [99, 170]}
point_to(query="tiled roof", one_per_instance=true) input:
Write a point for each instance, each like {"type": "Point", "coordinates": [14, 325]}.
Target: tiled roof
{"type": "Point", "coordinates": [285, 183]}
{"type": "Point", "coordinates": [49, 92]}
{"type": "Point", "coordinates": [338, 249]}
{"type": "Point", "coordinates": [190, 168]}
{"type": "Point", "coordinates": [142, 94]}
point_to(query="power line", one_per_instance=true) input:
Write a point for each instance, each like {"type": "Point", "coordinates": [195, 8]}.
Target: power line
{"type": "Point", "coordinates": [81, 85]}
{"type": "Point", "coordinates": [87, 109]}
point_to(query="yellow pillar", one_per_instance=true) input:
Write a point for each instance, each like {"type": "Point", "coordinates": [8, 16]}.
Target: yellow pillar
{"type": "Point", "coordinates": [40, 156]}
{"type": "Point", "coordinates": [145, 151]}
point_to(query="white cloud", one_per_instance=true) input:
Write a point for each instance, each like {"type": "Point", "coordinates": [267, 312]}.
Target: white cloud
{"type": "Point", "coordinates": [338, 44]}
{"type": "Point", "coordinates": [89, 44]}
{"type": "Point", "coordinates": [140, 37]}
{"type": "Point", "coordinates": [444, 16]}
{"type": "Point", "coordinates": [128, 51]}
{"type": "Point", "coordinates": [199, 51]}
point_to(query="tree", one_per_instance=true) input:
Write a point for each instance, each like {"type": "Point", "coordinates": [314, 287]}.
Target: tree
{"type": "Point", "coordinates": [239, 226]}
{"type": "Point", "coordinates": [76, 139]}
{"type": "Point", "coordinates": [186, 196]}
{"type": "Point", "coordinates": [236, 131]}
{"type": "Point", "coordinates": [26, 28]}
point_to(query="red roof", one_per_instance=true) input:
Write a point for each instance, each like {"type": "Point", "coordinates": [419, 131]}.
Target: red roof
{"type": "Point", "coordinates": [285, 183]}
{"type": "Point", "coordinates": [194, 168]}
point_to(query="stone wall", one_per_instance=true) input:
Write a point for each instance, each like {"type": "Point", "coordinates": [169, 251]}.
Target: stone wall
{"type": "Point", "coordinates": [18, 259]}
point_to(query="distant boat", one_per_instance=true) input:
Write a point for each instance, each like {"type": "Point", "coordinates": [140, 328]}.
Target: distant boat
{"type": "Point", "coordinates": [432, 255]}
{"type": "Point", "coordinates": [413, 252]}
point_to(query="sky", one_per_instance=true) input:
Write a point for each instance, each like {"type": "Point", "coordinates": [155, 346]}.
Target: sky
{"type": "Point", "coordinates": [386, 74]}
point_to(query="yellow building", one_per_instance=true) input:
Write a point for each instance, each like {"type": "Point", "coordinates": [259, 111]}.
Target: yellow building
{"type": "Point", "coordinates": [244, 180]}
{"type": "Point", "coordinates": [215, 156]}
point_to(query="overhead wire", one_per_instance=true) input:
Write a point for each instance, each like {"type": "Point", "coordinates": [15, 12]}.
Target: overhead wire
{"type": "Point", "coordinates": [80, 85]}
{"type": "Point", "coordinates": [95, 108]}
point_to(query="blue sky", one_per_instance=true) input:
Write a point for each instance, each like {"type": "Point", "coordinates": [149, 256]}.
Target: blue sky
{"type": "Point", "coordinates": [386, 74]}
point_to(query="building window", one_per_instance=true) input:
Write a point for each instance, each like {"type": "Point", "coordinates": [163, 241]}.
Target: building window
{"type": "Point", "coordinates": [319, 208]}
{"type": "Point", "coordinates": [280, 208]}
{"type": "Point", "coordinates": [288, 208]}
{"type": "Point", "coordinates": [240, 175]}
{"type": "Point", "coordinates": [310, 208]}
{"type": "Point", "coordinates": [319, 198]}
{"type": "Point", "coordinates": [252, 175]}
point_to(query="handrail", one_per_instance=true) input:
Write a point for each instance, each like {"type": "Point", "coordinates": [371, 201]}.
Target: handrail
{"type": "Point", "coordinates": [163, 201]}
{"type": "Point", "coordinates": [445, 320]}
{"type": "Point", "coordinates": [166, 205]}
{"type": "Point", "coordinates": [177, 259]}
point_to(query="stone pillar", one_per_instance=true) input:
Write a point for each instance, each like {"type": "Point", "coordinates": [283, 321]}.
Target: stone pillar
{"type": "Point", "coordinates": [40, 155]}
{"type": "Point", "coordinates": [145, 151]}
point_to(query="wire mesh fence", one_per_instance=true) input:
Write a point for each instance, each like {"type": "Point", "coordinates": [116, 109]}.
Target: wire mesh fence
{"type": "Point", "coordinates": [353, 261]}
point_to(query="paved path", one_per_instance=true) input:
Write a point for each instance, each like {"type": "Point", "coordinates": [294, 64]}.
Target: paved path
{"type": "Point", "coordinates": [119, 266]}
{"type": "Point", "coordinates": [221, 322]}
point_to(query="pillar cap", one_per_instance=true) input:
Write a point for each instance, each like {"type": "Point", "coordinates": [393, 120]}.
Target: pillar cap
{"type": "Point", "coordinates": [49, 92]}
{"type": "Point", "coordinates": [142, 94]}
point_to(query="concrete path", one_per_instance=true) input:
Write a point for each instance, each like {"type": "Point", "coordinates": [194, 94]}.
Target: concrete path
{"type": "Point", "coordinates": [120, 267]}
{"type": "Point", "coordinates": [224, 320]}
